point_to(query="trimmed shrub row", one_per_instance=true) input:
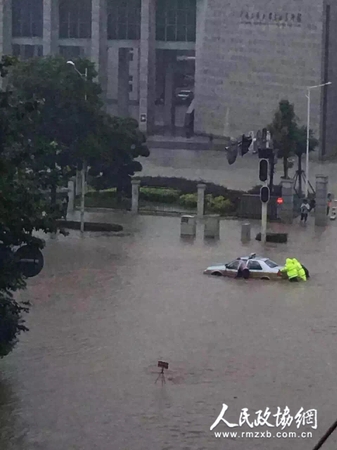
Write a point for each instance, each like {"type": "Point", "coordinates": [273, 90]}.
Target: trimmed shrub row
{"type": "Point", "coordinates": [190, 187]}
{"type": "Point", "coordinates": [220, 204]}
{"type": "Point", "coordinates": [160, 195]}
{"type": "Point", "coordinates": [218, 199]}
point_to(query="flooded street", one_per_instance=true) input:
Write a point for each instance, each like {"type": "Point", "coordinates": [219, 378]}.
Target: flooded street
{"type": "Point", "coordinates": [106, 308]}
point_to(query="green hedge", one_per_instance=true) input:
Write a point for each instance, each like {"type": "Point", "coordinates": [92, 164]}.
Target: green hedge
{"type": "Point", "coordinates": [159, 195]}
{"type": "Point", "coordinates": [219, 205]}
{"type": "Point", "coordinates": [188, 201]}
{"type": "Point", "coordinates": [190, 187]}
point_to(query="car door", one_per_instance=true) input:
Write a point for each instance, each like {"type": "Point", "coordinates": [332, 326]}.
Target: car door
{"type": "Point", "coordinates": [255, 269]}
{"type": "Point", "coordinates": [232, 268]}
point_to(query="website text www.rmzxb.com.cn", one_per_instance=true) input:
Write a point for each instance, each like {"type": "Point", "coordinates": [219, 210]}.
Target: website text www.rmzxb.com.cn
{"type": "Point", "coordinates": [262, 434]}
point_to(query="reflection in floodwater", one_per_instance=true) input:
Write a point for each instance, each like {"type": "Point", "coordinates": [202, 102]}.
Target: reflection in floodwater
{"type": "Point", "coordinates": [106, 309]}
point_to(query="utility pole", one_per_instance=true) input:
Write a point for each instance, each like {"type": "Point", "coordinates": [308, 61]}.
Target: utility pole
{"type": "Point", "coordinates": [84, 165]}
{"type": "Point", "coordinates": [264, 155]}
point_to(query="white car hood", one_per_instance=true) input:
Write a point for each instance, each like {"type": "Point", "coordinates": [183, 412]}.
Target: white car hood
{"type": "Point", "coordinates": [217, 267]}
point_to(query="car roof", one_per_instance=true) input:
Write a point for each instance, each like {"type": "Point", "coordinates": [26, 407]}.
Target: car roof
{"type": "Point", "coordinates": [255, 258]}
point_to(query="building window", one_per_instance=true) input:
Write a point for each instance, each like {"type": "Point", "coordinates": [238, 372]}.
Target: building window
{"type": "Point", "coordinates": [27, 51]}
{"type": "Point", "coordinates": [75, 19]}
{"type": "Point", "coordinates": [176, 20]}
{"type": "Point", "coordinates": [27, 18]}
{"type": "Point", "coordinates": [130, 83]}
{"type": "Point", "coordinates": [124, 19]}
{"type": "Point", "coordinates": [71, 51]}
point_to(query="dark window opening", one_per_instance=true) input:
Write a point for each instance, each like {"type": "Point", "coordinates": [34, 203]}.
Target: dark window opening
{"type": "Point", "coordinates": [75, 19]}
{"type": "Point", "coordinates": [27, 51]}
{"type": "Point", "coordinates": [271, 264]}
{"type": "Point", "coordinates": [71, 51]}
{"type": "Point", "coordinates": [27, 18]}
{"type": "Point", "coordinates": [124, 18]}
{"type": "Point", "coordinates": [234, 265]}
{"type": "Point", "coordinates": [176, 20]}
{"type": "Point", "coordinates": [254, 265]}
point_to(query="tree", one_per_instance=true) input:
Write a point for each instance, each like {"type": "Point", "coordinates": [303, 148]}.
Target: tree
{"type": "Point", "coordinates": [72, 115]}
{"type": "Point", "coordinates": [24, 207]}
{"type": "Point", "coordinates": [301, 149]}
{"type": "Point", "coordinates": [284, 132]}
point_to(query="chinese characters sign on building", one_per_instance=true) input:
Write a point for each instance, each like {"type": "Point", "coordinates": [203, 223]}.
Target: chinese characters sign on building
{"type": "Point", "coordinates": [270, 18]}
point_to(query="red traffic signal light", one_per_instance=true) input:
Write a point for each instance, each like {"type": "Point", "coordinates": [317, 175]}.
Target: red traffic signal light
{"type": "Point", "coordinates": [279, 201]}
{"type": "Point", "coordinates": [265, 194]}
{"type": "Point", "coordinates": [264, 169]}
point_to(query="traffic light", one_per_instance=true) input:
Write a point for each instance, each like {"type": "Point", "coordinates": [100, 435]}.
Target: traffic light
{"type": "Point", "coordinates": [264, 194]}
{"type": "Point", "coordinates": [245, 144]}
{"type": "Point", "coordinates": [264, 169]}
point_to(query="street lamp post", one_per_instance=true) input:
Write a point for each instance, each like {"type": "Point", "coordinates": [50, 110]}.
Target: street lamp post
{"type": "Point", "coordinates": [308, 136]}
{"type": "Point", "coordinates": [84, 166]}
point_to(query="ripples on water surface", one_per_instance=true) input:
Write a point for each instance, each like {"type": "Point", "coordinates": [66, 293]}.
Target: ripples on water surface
{"type": "Point", "coordinates": [106, 309]}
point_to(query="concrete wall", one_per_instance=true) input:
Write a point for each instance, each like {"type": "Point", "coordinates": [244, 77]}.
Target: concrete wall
{"type": "Point", "coordinates": [251, 57]}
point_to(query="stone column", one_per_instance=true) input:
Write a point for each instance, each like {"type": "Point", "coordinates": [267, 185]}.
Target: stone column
{"type": "Point", "coordinates": [286, 209]}
{"type": "Point", "coordinates": [50, 27]}
{"type": "Point", "coordinates": [321, 217]}
{"type": "Point", "coordinates": [169, 109]}
{"type": "Point", "coordinates": [99, 42]}
{"type": "Point", "coordinates": [212, 226]}
{"type": "Point", "coordinates": [71, 194]}
{"type": "Point", "coordinates": [135, 196]}
{"type": "Point", "coordinates": [78, 182]}
{"type": "Point", "coordinates": [188, 226]}
{"type": "Point", "coordinates": [245, 232]}
{"type": "Point", "coordinates": [123, 82]}
{"type": "Point", "coordinates": [201, 199]}
{"type": "Point", "coordinates": [147, 68]}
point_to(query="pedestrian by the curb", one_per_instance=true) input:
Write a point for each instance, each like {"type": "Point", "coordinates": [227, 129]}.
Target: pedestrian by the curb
{"type": "Point", "coordinates": [329, 204]}
{"type": "Point", "coordinates": [305, 208]}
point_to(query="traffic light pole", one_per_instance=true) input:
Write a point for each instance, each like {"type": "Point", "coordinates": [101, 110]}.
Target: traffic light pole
{"type": "Point", "coordinates": [264, 205]}
{"type": "Point", "coordinates": [264, 221]}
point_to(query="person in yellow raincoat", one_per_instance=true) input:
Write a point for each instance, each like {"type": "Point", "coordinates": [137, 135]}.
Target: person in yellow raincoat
{"type": "Point", "coordinates": [300, 271]}
{"type": "Point", "coordinates": [291, 270]}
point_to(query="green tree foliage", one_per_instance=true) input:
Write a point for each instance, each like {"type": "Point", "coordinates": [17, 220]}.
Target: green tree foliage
{"type": "Point", "coordinates": [24, 207]}
{"type": "Point", "coordinates": [284, 131]}
{"type": "Point", "coordinates": [51, 120]}
{"type": "Point", "coordinates": [72, 115]}
{"type": "Point", "coordinates": [288, 138]}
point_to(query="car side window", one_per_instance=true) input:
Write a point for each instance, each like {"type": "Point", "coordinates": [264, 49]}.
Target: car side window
{"type": "Point", "coordinates": [254, 265]}
{"type": "Point", "coordinates": [234, 265]}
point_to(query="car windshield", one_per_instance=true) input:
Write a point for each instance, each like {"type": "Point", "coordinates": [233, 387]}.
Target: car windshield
{"type": "Point", "coordinates": [271, 264]}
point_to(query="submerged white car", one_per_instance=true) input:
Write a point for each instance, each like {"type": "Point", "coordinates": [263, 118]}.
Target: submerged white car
{"type": "Point", "coordinates": [254, 267]}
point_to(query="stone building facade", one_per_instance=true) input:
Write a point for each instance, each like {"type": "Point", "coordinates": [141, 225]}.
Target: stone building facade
{"type": "Point", "coordinates": [251, 55]}
{"type": "Point", "coordinates": [248, 55]}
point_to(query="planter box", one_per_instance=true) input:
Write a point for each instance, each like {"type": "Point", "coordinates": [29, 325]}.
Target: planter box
{"type": "Point", "coordinates": [90, 226]}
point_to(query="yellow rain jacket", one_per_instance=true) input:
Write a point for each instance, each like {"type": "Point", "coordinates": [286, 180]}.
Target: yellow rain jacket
{"type": "Point", "coordinates": [300, 271]}
{"type": "Point", "coordinates": [290, 268]}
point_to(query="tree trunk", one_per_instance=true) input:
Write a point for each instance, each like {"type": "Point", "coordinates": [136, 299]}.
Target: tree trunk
{"type": "Point", "coordinates": [119, 195]}
{"type": "Point", "coordinates": [285, 167]}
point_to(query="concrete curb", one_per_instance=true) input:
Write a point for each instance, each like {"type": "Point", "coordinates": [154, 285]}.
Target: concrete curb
{"type": "Point", "coordinates": [90, 226]}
